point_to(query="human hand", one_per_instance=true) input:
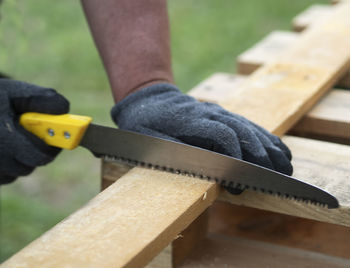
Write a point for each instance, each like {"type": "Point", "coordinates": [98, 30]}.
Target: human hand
{"type": "Point", "coordinates": [21, 151]}
{"type": "Point", "coordinates": [161, 110]}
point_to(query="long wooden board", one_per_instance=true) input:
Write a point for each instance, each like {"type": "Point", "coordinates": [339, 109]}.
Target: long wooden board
{"type": "Point", "coordinates": [126, 225]}
{"type": "Point", "coordinates": [136, 217]}
{"type": "Point", "coordinates": [329, 119]}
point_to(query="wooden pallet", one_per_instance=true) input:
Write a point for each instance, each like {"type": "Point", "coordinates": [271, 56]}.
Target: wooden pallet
{"type": "Point", "coordinates": [146, 212]}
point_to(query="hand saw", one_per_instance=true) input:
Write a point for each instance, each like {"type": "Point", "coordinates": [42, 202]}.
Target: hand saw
{"type": "Point", "coordinates": [68, 131]}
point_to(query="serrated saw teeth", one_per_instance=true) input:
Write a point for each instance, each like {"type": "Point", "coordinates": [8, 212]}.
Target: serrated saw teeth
{"type": "Point", "coordinates": [222, 182]}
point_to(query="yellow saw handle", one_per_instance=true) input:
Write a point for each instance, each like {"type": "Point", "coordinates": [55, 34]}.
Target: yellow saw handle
{"type": "Point", "coordinates": [63, 131]}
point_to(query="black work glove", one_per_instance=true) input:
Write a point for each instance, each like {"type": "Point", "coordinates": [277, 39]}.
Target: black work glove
{"type": "Point", "coordinates": [21, 151]}
{"type": "Point", "coordinates": [161, 110]}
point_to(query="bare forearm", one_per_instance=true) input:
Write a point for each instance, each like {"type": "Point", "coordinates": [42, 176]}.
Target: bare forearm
{"type": "Point", "coordinates": [132, 37]}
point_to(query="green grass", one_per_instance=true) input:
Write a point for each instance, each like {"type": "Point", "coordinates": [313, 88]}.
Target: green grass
{"type": "Point", "coordinates": [48, 43]}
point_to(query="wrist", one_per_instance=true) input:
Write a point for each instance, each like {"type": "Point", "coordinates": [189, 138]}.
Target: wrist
{"type": "Point", "coordinates": [121, 93]}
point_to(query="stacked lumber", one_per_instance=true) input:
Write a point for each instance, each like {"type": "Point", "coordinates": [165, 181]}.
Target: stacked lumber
{"type": "Point", "coordinates": [145, 211]}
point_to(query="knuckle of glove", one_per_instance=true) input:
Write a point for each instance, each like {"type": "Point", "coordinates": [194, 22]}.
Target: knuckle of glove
{"type": "Point", "coordinates": [280, 160]}
{"type": "Point", "coordinates": [260, 146]}
{"type": "Point", "coordinates": [24, 97]}
{"type": "Point", "coordinates": [43, 101]}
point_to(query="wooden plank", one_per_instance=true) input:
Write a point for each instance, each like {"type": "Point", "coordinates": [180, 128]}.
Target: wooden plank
{"type": "Point", "coordinates": [269, 49]}
{"type": "Point", "coordinates": [111, 172]}
{"type": "Point", "coordinates": [320, 163]}
{"type": "Point", "coordinates": [313, 14]}
{"type": "Point", "coordinates": [221, 251]}
{"type": "Point", "coordinates": [329, 119]}
{"type": "Point", "coordinates": [118, 228]}
{"type": "Point", "coordinates": [136, 217]}
{"type": "Point", "coordinates": [279, 229]}
{"type": "Point", "coordinates": [278, 94]}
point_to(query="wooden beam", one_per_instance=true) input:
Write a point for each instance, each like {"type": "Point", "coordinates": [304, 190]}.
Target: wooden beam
{"type": "Point", "coordinates": [329, 119]}
{"type": "Point", "coordinates": [136, 217]}
{"type": "Point", "coordinates": [221, 251]}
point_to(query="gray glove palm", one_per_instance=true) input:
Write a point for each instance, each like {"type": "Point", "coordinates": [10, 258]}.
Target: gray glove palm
{"type": "Point", "coordinates": [163, 111]}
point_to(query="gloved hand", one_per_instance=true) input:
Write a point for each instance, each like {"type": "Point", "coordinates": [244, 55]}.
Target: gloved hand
{"type": "Point", "coordinates": [161, 110]}
{"type": "Point", "coordinates": [21, 151]}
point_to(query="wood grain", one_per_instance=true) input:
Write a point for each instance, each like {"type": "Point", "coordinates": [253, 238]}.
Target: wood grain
{"type": "Point", "coordinates": [118, 228]}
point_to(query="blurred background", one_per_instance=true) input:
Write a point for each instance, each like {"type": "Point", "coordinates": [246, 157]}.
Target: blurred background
{"type": "Point", "coordinates": [48, 43]}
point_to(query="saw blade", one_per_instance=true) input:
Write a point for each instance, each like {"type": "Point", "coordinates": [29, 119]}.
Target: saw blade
{"type": "Point", "coordinates": [151, 152]}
